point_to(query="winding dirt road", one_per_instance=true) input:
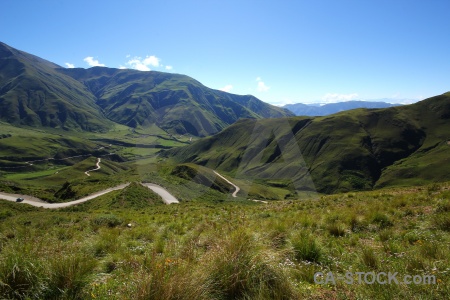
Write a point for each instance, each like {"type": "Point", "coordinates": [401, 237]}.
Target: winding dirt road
{"type": "Point", "coordinates": [237, 189]}
{"type": "Point", "coordinates": [165, 195]}
{"type": "Point", "coordinates": [97, 168]}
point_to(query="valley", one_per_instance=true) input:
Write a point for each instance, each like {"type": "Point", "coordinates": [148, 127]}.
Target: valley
{"type": "Point", "coordinates": [260, 200]}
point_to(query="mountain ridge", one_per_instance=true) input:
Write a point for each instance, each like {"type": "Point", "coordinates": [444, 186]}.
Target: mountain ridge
{"type": "Point", "coordinates": [315, 109]}
{"type": "Point", "coordinates": [359, 149]}
{"type": "Point", "coordinates": [36, 92]}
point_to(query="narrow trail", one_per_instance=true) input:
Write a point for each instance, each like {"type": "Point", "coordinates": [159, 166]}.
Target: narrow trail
{"type": "Point", "coordinates": [97, 168]}
{"type": "Point", "coordinates": [237, 189]}
{"type": "Point", "coordinates": [165, 195]}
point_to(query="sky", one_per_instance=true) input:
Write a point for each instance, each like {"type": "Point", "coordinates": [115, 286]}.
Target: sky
{"type": "Point", "coordinates": [279, 51]}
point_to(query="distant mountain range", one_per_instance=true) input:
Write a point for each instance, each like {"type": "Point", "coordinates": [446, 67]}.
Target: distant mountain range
{"type": "Point", "coordinates": [317, 109]}
{"type": "Point", "coordinates": [36, 92]}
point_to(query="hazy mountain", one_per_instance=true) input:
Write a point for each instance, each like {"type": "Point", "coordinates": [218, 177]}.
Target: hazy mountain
{"type": "Point", "coordinates": [317, 109]}
{"type": "Point", "coordinates": [352, 150]}
{"type": "Point", "coordinates": [36, 92]}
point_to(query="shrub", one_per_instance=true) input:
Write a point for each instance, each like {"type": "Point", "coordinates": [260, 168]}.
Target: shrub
{"type": "Point", "coordinates": [443, 206]}
{"type": "Point", "coordinates": [306, 248]}
{"type": "Point", "coordinates": [278, 234]}
{"type": "Point", "coordinates": [69, 274]}
{"type": "Point", "coordinates": [162, 278]}
{"type": "Point", "coordinates": [109, 220]}
{"type": "Point", "coordinates": [431, 250]}
{"type": "Point", "coordinates": [21, 276]}
{"type": "Point", "coordinates": [107, 242]}
{"type": "Point", "coordinates": [369, 258]}
{"type": "Point", "coordinates": [336, 229]}
{"type": "Point", "coordinates": [356, 223]}
{"type": "Point", "coordinates": [433, 188]}
{"type": "Point", "coordinates": [415, 264]}
{"type": "Point", "coordinates": [442, 221]}
{"type": "Point", "coordinates": [412, 236]}
{"type": "Point", "coordinates": [392, 247]}
{"type": "Point", "coordinates": [237, 268]}
{"type": "Point", "coordinates": [5, 214]}
{"type": "Point", "coordinates": [385, 235]}
{"type": "Point", "coordinates": [382, 220]}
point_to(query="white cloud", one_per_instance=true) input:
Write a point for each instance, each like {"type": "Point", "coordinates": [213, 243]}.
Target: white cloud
{"type": "Point", "coordinates": [262, 87]}
{"type": "Point", "coordinates": [144, 64]}
{"type": "Point", "coordinates": [137, 64]}
{"type": "Point", "coordinates": [122, 67]}
{"type": "Point", "coordinates": [92, 62]}
{"type": "Point", "coordinates": [151, 60]}
{"type": "Point", "coordinates": [169, 68]}
{"type": "Point", "coordinates": [70, 66]}
{"type": "Point", "coordinates": [227, 88]}
{"type": "Point", "coordinates": [331, 98]}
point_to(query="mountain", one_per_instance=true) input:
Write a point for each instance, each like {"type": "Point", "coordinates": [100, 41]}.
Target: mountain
{"type": "Point", "coordinates": [33, 92]}
{"type": "Point", "coordinates": [174, 102]}
{"type": "Point", "coordinates": [36, 92]}
{"type": "Point", "coordinates": [300, 109]}
{"type": "Point", "coordinates": [352, 150]}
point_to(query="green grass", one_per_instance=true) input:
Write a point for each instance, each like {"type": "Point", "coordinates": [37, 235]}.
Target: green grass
{"type": "Point", "coordinates": [352, 150]}
{"type": "Point", "coordinates": [34, 175]}
{"type": "Point", "coordinates": [226, 250]}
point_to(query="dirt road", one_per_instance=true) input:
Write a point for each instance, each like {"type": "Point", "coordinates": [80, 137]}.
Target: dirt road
{"type": "Point", "coordinates": [97, 168]}
{"type": "Point", "coordinates": [165, 195]}
{"type": "Point", "coordinates": [237, 189]}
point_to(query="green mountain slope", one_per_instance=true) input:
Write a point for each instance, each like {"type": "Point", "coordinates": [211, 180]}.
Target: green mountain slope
{"type": "Point", "coordinates": [36, 92]}
{"type": "Point", "coordinates": [33, 93]}
{"type": "Point", "coordinates": [174, 102]}
{"type": "Point", "coordinates": [353, 150]}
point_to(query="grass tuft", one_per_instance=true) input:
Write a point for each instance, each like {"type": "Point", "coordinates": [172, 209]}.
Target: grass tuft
{"type": "Point", "coordinates": [306, 247]}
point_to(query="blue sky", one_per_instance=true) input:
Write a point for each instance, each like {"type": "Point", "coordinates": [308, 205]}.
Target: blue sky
{"type": "Point", "coordinates": [279, 51]}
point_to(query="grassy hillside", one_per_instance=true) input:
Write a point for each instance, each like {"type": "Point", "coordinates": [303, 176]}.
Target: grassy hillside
{"type": "Point", "coordinates": [354, 150]}
{"type": "Point", "coordinates": [203, 176]}
{"type": "Point", "coordinates": [115, 248]}
{"type": "Point", "coordinates": [33, 93]}
{"type": "Point", "coordinates": [174, 102]}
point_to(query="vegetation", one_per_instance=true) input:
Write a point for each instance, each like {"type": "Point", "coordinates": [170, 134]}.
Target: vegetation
{"type": "Point", "coordinates": [270, 158]}
{"type": "Point", "coordinates": [353, 150]}
{"type": "Point", "coordinates": [128, 245]}
{"type": "Point", "coordinates": [227, 250]}
{"type": "Point", "coordinates": [35, 92]}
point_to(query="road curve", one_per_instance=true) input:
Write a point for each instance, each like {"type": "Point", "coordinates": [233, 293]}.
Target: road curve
{"type": "Point", "coordinates": [165, 195]}
{"type": "Point", "coordinates": [237, 189]}
{"type": "Point", "coordinates": [97, 168]}
{"type": "Point", "coordinates": [40, 203]}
